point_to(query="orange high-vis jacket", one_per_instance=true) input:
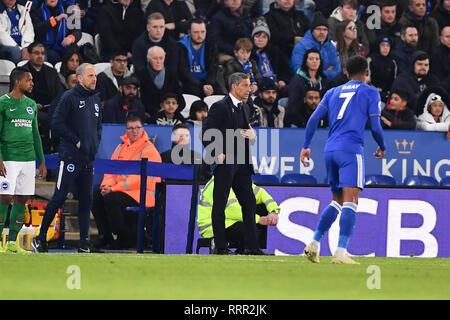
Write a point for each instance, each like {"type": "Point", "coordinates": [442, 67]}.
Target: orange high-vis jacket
{"type": "Point", "coordinates": [130, 184]}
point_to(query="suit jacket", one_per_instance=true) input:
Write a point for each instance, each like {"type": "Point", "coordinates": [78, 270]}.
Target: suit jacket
{"type": "Point", "coordinates": [220, 116]}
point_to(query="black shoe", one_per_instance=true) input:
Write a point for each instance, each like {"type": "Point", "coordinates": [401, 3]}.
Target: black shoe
{"type": "Point", "coordinates": [37, 245]}
{"type": "Point", "coordinates": [253, 252]}
{"type": "Point", "coordinates": [87, 249]}
{"type": "Point", "coordinates": [103, 242]}
{"type": "Point", "coordinates": [225, 251]}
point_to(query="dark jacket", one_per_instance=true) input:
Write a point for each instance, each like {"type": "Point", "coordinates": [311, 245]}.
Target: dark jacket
{"type": "Point", "coordinates": [143, 43]}
{"type": "Point", "coordinates": [441, 15]}
{"type": "Point", "coordinates": [233, 65]}
{"type": "Point", "coordinates": [52, 80]}
{"type": "Point", "coordinates": [116, 110]}
{"type": "Point", "coordinates": [175, 13]}
{"type": "Point", "coordinates": [427, 28]}
{"type": "Point", "coordinates": [440, 65]}
{"type": "Point", "coordinates": [221, 116]}
{"type": "Point", "coordinates": [161, 119]}
{"type": "Point", "coordinates": [302, 115]}
{"type": "Point", "coordinates": [383, 71]}
{"type": "Point", "coordinates": [42, 26]}
{"type": "Point", "coordinates": [285, 26]}
{"type": "Point", "coordinates": [151, 96]}
{"type": "Point", "coordinates": [403, 56]}
{"type": "Point", "coordinates": [391, 30]}
{"type": "Point", "coordinates": [278, 61]}
{"type": "Point", "coordinates": [117, 33]}
{"type": "Point", "coordinates": [225, 29]}
{"type": "Point", "coordinates": [402, 120]}
{"type": "Point", "coordinates": [77, 118]}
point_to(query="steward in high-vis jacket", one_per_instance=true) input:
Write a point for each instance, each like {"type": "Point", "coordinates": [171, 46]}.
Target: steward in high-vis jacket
{"type": "Point", "coordinates": [267, 211]}
{"type": "Point", "coordinates": [119, 191]}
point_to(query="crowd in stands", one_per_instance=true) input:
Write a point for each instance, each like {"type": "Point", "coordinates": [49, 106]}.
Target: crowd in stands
{"type": "Point", "coordinates": [292, 50]}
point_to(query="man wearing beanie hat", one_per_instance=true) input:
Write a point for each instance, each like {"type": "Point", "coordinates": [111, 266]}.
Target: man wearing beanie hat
{"type": "Point", "coordinates": [317, 37]}
{"type": "Point", "coordinates": [416, 80]}
{"type": "Point", "coordinates": [286, 24]}
{"type": "Point", "coordinates": [272, 115]}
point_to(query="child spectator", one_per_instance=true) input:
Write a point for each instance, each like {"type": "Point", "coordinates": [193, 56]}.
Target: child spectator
{"type": "Point", "coordinates": [436, 115]}
{"type": "Point", "coordinates": [169, 114]}
{"type": "Point", "coordinates": [382, 68]}
{"type": "Point", "coordinates": [197, 112]}
{"type": "Point", "coordinates": [396, 115]}
{"type": "Point", "coordinates": [242, 63]}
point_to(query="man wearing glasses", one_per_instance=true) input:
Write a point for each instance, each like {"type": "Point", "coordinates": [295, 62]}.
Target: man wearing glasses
{"type": "Point", "coordinates": [119, 191]}
{"type": "Point", "coordinates": [108, 81]}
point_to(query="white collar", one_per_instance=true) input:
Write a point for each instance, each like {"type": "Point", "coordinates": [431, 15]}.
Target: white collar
{"type": "Point", "coordinates": [235, 100]}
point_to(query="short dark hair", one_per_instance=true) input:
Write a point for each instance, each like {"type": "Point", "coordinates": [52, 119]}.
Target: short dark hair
{"type": "Point", "coordinates": [169, 95]}
{"type": "Point", "coordinates": [352, 3]}
{"type": "Point", "coordinates": [387, 3]}
{"type": "Point", "coordinates": [118, 53]}
{"type": "Point", "coordinates": [69, 73]}
{"type": "Point", "coordinates": [17, 74]}
{"type": "Point", "coordinates": [196, 21]}
{"type": "Point", "coordinates": [198, 105]}
{"type": "Point", "coordinates": [403, 94]}
{"type": "Point", "coordinates": [34, 45]}
{"type": "Point", "coordinates": [356, 65]}
{"type": "Point", "coordinates": [180, 126]}
{"type": "Point", "coordinates": [405, 27]}
{"type": "Point", "coordinates": [134, 119]}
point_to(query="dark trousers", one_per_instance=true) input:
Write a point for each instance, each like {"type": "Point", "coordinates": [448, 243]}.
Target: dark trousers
{"type": "Point", "coordinates": [239, 178]}
{"type": "Point", "coordinates": [110, 217]}
{"type": "Point", "coordinates": [71, 173]}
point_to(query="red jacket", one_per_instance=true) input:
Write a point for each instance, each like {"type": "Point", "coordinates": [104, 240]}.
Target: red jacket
{"type": "Point", "coordinates": [142, 148]}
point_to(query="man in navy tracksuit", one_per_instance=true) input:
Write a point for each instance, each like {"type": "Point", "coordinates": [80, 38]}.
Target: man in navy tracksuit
{"type": "Point", "coordinates": [77, 121]}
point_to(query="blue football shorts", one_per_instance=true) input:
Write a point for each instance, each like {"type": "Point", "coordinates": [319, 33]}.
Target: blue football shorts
{"type": "Point", "coordinates": [344, 169]}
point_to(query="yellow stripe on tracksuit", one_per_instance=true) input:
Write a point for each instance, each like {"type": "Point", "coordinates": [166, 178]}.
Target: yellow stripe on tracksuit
{"type": "Point", "coordinates": [233, 210]}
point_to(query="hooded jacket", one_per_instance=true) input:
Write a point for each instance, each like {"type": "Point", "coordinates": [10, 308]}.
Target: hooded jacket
{"type": "Point", "coordinates": [130, 184]}
{"type": "Point", "coordinates": [77, 118]}
{"type": "Point", "coordinates": [425, 120]}
{"type": "Point", "coordinates": [107, 83]}
{"type": "Point", "coordinates": [327, 50]}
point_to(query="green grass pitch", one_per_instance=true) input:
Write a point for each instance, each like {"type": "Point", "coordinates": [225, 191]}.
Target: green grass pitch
{"type": "Point", "coordinates": [192, 277]}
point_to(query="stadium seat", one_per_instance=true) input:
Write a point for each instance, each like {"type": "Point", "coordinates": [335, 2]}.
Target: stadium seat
{"type": "Point", "coordinates": [23, 62]}
{"type": "Point", "coordinates": [189, 99]}
{"type": "Point", "coordinates": [101, 66]}
{"type": "Point", "coordinates": [85, 38]}
{"type": "Point", "coordinates": [379, 179]}
{"type": "Point", "coordinates": [98, 44]}
{"type": "Point", "coordinates": [420, 181]}
{"type": "Point", "coordinates": [209, 100]}
{"type": "Point", "coordinates": [445, 182]}
{"type": "Point", "coordinates": [6, 67]}
{"type": "Point", "coordinates": [265, 178]}
{"type": "Point", "coordinates": [298, 178]}
{"type": "Point", "coordinates": [58, 66]}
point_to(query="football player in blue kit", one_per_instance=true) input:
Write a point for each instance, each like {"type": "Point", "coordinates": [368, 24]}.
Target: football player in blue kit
{"type": "Point", "coordinates": [348, 107]}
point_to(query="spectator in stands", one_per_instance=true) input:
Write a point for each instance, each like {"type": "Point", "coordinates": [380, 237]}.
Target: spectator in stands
{"type": "Point", "coordinates": [309, 75]}
{"type": "Point", "coordinates": [119, 191]}
{"type": "Point", "coordinates": [70, 62]}
{"type": "Point", "coordinates": [181, 152]}
{"type": "Point", "coordinates": [266, 211]}
{"type": "Point", "coordinates": [198, 61]}
{"type": "Point", "coordinates": [16, 31]}
{"type": "Point", "coordinates": [108, 80]}
{"type": "Point", "coordinates": [442, 14]}
{"type": "Point", "coordinates": [287, 25]}
{"type": "Point", "coordinates": [126, 103]}
{"type": "Point", "coordinates": [169, 114]}
{"type": "Point", "coordinates": [427, 27]}
{"type": "Point", "coordinates": [416, 80]}
{"type": "Point", "coordinates": [347, 10]}
{"type": "Point", "coordinates": [155, 35]}
{"type": "Point", "coordinates": [50, 21]}
{"type": "Point", "coordinates": [120, 25]}
{"type": "Point", "coordinates": [440, 60]}
{"type": "Point", "coordinates": [389, 26]}
{"type": "Point", "coordinates": [317, 37]}
{"type": "Point", "coordinates": [47, 86]}
{"type": "Point", "coordinates": [272, 114]}
{"type": "Point", "coordinates": [254, 7]}
{"type": "Point", "coordinates": [156, 80]}
{"type": "Point", "coordinates": [271, 62]}
{"type": "Point", "coordinates": [382, 68]}
{"type": "Point", "coordinates": [397, 115]}
{"type": "Point", "coordinates": [347, 44]}
{"type": "Point", "coordinates": [197, 112]}
{"type": "Point", "coordinates": [304, 112]}
{"type": "Point", "coordinates": [90, 14]}
{"type": "Point", "coordinates": [308, 7]}
{"type": "Point", "coordinates": [228, 25]}
{"type": "Point", "coordinates": [402, 54]}
{"type": "Point", "coordinates": [243, 63]}
{"type": "Point", "coordinates": [326, 7]}
{"type": "Point", "coordinates": [435, 114]}
{"type": "Point", "coordinates": [176, 15]}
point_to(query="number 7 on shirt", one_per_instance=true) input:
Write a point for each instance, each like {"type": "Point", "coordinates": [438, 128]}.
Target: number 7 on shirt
{"type": "Point", "coordinates": [347, 96]}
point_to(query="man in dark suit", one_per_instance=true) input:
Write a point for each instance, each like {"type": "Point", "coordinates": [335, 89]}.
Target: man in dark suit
{"type": "Point", "coordinates": [232, 167]}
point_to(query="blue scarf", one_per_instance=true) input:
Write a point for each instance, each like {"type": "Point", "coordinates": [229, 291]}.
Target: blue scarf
{"type": "Point", "coordinates": [247, 69]}
{"type": "Point", "coordinates": [50, 36]}
{"type": "Point", "coordinates": [201, 75]}
{"type": "Point", "coordinates": [14, 17]}
{"type": "Point", "coordinates": [265, 67]}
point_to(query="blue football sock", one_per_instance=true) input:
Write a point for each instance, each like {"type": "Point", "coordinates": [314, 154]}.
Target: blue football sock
{"type": "Point", "coordinates": [327, 218]}
{"type": "Point", "coordinates": [347, 223]}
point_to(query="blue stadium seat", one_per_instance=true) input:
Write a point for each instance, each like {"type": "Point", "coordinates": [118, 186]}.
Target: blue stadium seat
{"type": "Point", "coordinates": [265, 178]}
{"type": "Point", "coordinates": [379, 179]}
{"type": "Point", "coordinates": [420, 181]}
{"type": "Point", "coordinates": [445, 182]}
{"type": "Point", "coordinates": [298, 178]}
